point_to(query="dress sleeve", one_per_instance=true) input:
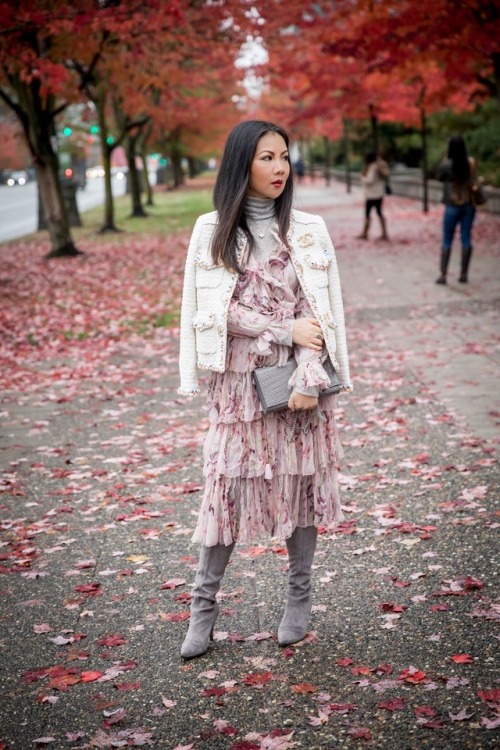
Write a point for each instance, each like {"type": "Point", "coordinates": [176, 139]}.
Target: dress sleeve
{"type": "Point", "coordinates": [310, 374]}
{"type": "Point", "coordinates": [264, 328]}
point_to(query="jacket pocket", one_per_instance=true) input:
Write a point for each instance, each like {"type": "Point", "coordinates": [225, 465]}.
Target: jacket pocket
{"type": "Point", "coordinates": [208, 276]}
{"type": "Point", "coordinates": [318, 263]}
{"type": "Point", "coordinates": [205, 331]}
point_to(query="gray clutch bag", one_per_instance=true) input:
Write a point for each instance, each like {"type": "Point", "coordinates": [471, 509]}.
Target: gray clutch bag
{"type": "Point", "coordinates": [273, 389]}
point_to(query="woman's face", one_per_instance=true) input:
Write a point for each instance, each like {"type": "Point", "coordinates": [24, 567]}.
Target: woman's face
{"type": "Point", "coordinates": [270, 167]}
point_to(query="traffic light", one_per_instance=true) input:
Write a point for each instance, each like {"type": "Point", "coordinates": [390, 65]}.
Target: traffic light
{"type": "Point", "coordinates": [94, 129]}
{"type": "Point", "coordinates": [110, 140]}
{"type": "Point", "coordinates": [67, 130]}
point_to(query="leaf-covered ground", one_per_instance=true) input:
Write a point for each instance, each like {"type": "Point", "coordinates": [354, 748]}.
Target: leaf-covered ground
{"type": "Point", "coordinates": [101, 475]}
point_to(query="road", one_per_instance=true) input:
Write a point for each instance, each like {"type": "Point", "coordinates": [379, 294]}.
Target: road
{"type": "Point", "coordinates": [19, 205]}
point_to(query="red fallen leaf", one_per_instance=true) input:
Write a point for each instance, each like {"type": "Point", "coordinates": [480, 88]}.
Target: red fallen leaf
{"type": "Point", "coordinates": [361, 670]}
{"type": "Point", "coordinates": [185, 597]}
{"type": "Point", "coordinates": [440, 607]}
{"type": "Point", "coordinates": [35, 674]}
{"type": "Point", "coordinates": [92, 589]}
{"type": "Point", "coordinates": [395, 704]}
{"type": "Point", "coordinates": [63, 682]}
{"type": "Point", "coordinates": [489, 696]}
{"type": "Point", "coordinates": [173, 583]}
{"type": "Point", "coordinates": [113, 717]}
{"type": "Point", "coordinates": [111, 640]}
{"type": "Point", "coordinates": [175, 616]}
{"type": "Point", "coordinates": [412, 675]}
{"type": "Point", "coordinates": [392, 607]}
{"type": "Point", "coordinates": [470, 584]}
{"type": "Point", "coordinates": [421, 458]}
{"type": "Point", "coordinates": [400, 584]}
{"type": "Point", "coordinates": [438, 724]}
{"type": "Point", "coordinates": [254, 552]}
{"type": "Point", "coordinates": [383, 669]}
{"type": "Point", "coordinates": [346, 527]}
{"type": "Point", "coordinates": [288, 652]}
{"type": "Point", "coordinates": [345, 662]}
{"type": "Point", "coordinates": [424, 711]}
{"type": "Point", "coordinates": [245, 745]}
{"type": "Point", "coordinates": [224, 727]}
{"type": "Point", "coordinates": [279, 550]}
{"type": "Point", "coordinates": [127, 685]}
{"type": "Point", "coordinates": [256, 679]}
{"type": "Point", "coordinates": [360, 733]}
{"type": "Point", "coordinates": [463, 658]}
{"type": "Point", "coordinates": [304, 687]}
{"type": "Point", "coordinates": [90, 676]}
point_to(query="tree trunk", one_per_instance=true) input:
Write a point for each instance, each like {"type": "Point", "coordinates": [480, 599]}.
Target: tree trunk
{"type": "Point", "coordinates": [423, 125]}
{"type": "Point", "coordinates": [106, 151]}
{"type": "Point", "coordinates": [193, 166]}
{"type": "Point", "coordinates": [347, 155]}
{"type": "Point", "coordinates": [54, 208]}
{"type": "Point", "coordinates": [310, 160]}
{"type": "Point", "coordinates": [133, 177]}
{"type": "Point", "coordinates": [326, 144]}
{"type": "Point", "coordinates": [146, 180]}
{"type": "Point", "coordinates": [495, 58]}
{"type": "Point", "coordinates": [178, 172]}
{"type": "Point", "coordinates": [374, 123]}
{"type": "Point", "coordinates": [36, 115]}
{"type": "Point", "coordinates": [143, 138]}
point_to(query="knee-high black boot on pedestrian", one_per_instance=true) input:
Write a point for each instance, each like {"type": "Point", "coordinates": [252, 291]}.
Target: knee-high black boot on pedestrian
{"type": "Point", "coordinates": [204, 608]}
{"type": "Point", "coordinates": [445, 259]}
{"type": "Point", "coordinates": [464, 270]}
{"type": "Point", "coordinates": [301, 546]}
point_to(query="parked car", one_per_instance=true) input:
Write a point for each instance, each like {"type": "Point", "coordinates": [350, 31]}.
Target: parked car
{"type": "Point", "coordinates": [18, 177]}
{"type": "Point", "coordinates": [93, 172]}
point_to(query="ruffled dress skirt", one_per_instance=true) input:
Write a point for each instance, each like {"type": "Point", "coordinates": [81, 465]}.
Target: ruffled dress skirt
{"type": "Point", "coordinates": [258, 483]}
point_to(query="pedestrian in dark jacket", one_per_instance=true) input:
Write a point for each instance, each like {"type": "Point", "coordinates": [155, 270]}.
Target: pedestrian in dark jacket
{"type": "Point", "coordinates": [458, 172]}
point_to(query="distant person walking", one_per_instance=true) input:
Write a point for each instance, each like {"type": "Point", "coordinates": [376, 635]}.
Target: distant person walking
{"type": "Point", "coordinates": [458, 172]}
{"type": "Point", "coordinates": [374, 176]}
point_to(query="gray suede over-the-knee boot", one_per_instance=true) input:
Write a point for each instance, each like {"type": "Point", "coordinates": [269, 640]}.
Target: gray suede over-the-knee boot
{"type": "Point", "coordinates": [301, 546]}
{"type": "Point", "coordinates": [204, 607]}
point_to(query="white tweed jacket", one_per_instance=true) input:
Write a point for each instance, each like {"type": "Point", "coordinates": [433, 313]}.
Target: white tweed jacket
{"type": "Point", "coordinates": [208, 289]}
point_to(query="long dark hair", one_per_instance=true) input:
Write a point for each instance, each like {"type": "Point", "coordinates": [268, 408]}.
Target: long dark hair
{"type": "Point", "coordinates": [231, 189]}
{"type": "Point", "coordinates": [460, 166]}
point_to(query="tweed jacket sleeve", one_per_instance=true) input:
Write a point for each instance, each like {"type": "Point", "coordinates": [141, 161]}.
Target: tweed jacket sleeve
{"type": "Point", "coordinates": [337, 307]}
{"type": "Point", "coordinates": [187, 354]}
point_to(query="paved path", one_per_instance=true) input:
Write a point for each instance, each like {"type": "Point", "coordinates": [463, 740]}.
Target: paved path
{"type": "Point", "coordinates": [100, 491]}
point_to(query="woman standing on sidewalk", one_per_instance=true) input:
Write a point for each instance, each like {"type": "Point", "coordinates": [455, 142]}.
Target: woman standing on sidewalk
{"type": "Point", "coordinates": [458, 172]}
{"type": "Point", "coordinates": [374, 176]}
{"type": "Point", "coordinates": [261, 284]}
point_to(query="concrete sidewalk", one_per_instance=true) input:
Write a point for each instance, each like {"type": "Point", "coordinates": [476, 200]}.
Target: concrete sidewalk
{"type": "Point", "coordinates": [100, 490]}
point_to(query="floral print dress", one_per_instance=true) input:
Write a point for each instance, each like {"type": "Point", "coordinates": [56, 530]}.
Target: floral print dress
{"type": "Point", "coordinates": [258, 482]}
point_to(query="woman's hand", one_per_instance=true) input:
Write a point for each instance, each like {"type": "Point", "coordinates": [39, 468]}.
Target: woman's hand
{"type": "Point", "coordinates": [299, 402]}
{"type": "Point", "coordinates": [307, 332]}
